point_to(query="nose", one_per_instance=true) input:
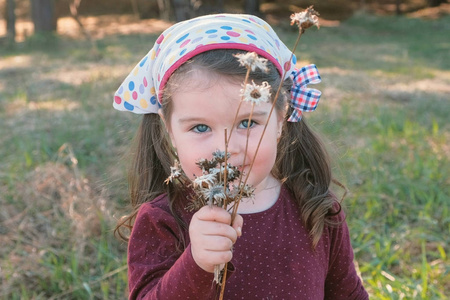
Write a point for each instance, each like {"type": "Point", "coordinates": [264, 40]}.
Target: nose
{"type": "Point", "coordinates": [236, 149]}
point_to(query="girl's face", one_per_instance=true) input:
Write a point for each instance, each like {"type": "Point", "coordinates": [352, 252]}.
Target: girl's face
{"type": "Point", "coordinates": [199, 116]}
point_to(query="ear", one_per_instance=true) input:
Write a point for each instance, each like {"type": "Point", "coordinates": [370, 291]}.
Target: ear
{"type": "Point", "coordinates": [168, 128]}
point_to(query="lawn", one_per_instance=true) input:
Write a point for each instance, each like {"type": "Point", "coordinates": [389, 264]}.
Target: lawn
{"type": "Point", "coordinates": [384, 113]}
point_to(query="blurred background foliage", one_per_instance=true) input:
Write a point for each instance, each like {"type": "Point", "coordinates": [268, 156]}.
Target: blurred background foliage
{"type": "Point", "coordinates": [44, 13]}
{"type": "Point", "coordinates": [64, 150]}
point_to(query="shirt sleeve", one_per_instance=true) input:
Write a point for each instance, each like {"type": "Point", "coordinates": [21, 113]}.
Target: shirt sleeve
{"type": "Point", "coordinates": [342, 281]}
{"type": "Point", "coordinates": [156, 268]}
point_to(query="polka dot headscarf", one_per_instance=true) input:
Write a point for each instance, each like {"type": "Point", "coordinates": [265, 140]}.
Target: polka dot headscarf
{"type": "Point", "coordinates": [141, 90]}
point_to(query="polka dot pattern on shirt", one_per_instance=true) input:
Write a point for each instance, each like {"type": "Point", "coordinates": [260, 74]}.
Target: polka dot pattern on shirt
{"type": "Point", "coordinates": [273, 259]}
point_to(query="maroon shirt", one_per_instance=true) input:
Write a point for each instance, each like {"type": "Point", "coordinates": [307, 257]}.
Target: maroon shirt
{"type": "Point", "coordinates": [273, 258]}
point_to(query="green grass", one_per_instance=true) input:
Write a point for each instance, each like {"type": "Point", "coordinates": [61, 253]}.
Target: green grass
{"type": "Point", "coordinates": [384, 111]}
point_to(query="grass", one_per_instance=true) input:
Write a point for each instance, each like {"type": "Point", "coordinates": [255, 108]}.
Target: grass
{"type": "Point", "coordinates": [384, 109]}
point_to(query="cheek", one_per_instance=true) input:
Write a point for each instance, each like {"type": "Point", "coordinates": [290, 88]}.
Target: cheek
{"type": "Point", "coordinates": [188, 159]}
{"type": "Point", "coordinates": [171, 136]}
{"type": "Point", "coordinates": [187, 166]}
{"type": "Point", "coordinates": [269, 149]}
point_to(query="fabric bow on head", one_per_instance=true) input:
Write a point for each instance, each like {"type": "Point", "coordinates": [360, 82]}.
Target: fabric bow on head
{"type": "Point", "coordinates": [304, 98]}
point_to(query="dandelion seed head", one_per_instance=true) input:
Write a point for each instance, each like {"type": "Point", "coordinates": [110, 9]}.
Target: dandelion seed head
{"type": "Point", "coordinates": [175, 172]}
{"type": "Point", "coordinates": [205, 181]}
{"type": "Point", "coordinates": [305, 19]}
{"type": "Point", "coordinates": [219, 156]}
{"type": "Point", "coordinates": [205, 164]}
{"type": "Point", "coordinates": [256, 93]}
{"type": "Point", "coordinates": [245, 190]}
{"type": "Point", "coordinates": [252, 61]}
{"type": "Point", "coordinates": [215, 195]}
{"type": "Point", "coordinates": [202, 163]}
{"type": "Point", "coordinates": [232, 172]}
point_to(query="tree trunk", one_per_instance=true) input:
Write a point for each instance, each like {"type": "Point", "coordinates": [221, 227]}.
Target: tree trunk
{"type": "Point", "coordinates": [219, 4]}
{"type": "Point", "coordinates": [183, 10]}
{"type": "Point", "coordinates": [434, 3]}
{"type": "Point", "coordinates": [164, 9]}
{"type": "Point", "coordinates": [135, 6]}
{"type": "Point", "coordinates": [10, 20]}
{"type": "Point", "coordinates": [251, 7]}
{"type": "Point", "coordinates": [398, 10]}
{"type": "Point", "coordinates": [362, 5]}
{"type": "Point", "coordinates": [73, 6]}
{"type": "Point", "coordinates": [43, 15]}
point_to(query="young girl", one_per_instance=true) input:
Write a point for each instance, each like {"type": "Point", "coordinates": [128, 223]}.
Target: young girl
{"type": "Point", "coordinates": [289, 241]}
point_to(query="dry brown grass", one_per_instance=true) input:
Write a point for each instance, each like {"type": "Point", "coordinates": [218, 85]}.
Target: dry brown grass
{"type": "Point", "coordinates": [63, 209]}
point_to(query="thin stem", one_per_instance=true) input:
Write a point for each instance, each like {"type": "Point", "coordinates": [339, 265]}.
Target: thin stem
{"type": "Point", "coordinates": [236, 206]}
{"type": "Point", "coordinates": [246, 141]}
{"type": "Point", "coordinates": [225, 204]}
{"type": "Point", "coordinates": [225, 171]}
{"type": "Point", "coordinates": [240, 103]}
{"type": "Point", "coordinates": [222, 288]}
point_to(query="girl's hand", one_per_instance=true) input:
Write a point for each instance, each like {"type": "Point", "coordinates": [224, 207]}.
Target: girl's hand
{"type": "Point", "coordinates": [212, 236]}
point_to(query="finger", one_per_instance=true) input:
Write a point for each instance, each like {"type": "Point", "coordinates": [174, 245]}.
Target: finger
{"type": "Point", "coordinates": [211, 228]}
{"type": "Point", "coordinates": [214, 213]}
{"type": "Point", "coordinates": [237, 224]}
{"type": "Point", "coordinates": [218, 243]}
{"type": "Point", "coordinates": [218, 257]}
{"type": "Point", "coordinates": [208, 259]}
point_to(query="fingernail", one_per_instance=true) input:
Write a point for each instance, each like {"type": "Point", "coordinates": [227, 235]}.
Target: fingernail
{"type": "Point", "coordinates": [239, 231]}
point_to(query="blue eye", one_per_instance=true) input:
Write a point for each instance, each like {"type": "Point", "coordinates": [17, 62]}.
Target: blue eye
{"type": "Point", "coordinates": [201, 128]}
{"type": "Point", "coordinates": [245, 124]}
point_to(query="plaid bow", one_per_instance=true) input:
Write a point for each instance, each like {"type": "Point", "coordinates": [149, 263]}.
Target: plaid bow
{"type": "Point", "coordinates": [302, 97]}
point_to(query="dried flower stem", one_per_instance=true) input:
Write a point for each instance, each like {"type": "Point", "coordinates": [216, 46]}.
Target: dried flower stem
{"type": "Point", "coordinates": [225, 171]}
{"type": "Point", "coordinates": [239, 107]}
{"type": "Point", "coordinates": [224, 276]}
{"type": "Point", "coordinates": [225, 204]}
{"type": "Point", "coordinates": [248, 136]}
{"type": "Point", "coordinates": [312, 20]}
{"type": "Point", "coordinates": [236, 203]}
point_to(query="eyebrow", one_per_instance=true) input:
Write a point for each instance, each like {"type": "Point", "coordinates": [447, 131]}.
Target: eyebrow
{"type": "Point", "coordinates": [256, 113]}
{"type": "Point", "coordinates": [240, 116]}
{"type": "Point", "coordinates": [191, 119]}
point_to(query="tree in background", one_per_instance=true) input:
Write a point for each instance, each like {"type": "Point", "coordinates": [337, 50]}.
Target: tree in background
{"type": "Point", "coordinates": [186, 9]}
{"type": "Point", "coordinates": [164, 9]}
{"type": "Point", "coordinates": [251, 7]}
{"type": "Point", "coordinates": [183, 9]}
{"type": "Point", "coordinates": [73, 6]}
{"type": "Point", "coordinates": [43, 15]}
{"type": "Point", "coordinates": [10, 20]}
{"type": "Point", "coordinates": [433, 3]}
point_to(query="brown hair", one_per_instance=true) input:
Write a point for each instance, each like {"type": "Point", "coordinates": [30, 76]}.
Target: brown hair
{"type": "Point", "coordinates": [302, 162]}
